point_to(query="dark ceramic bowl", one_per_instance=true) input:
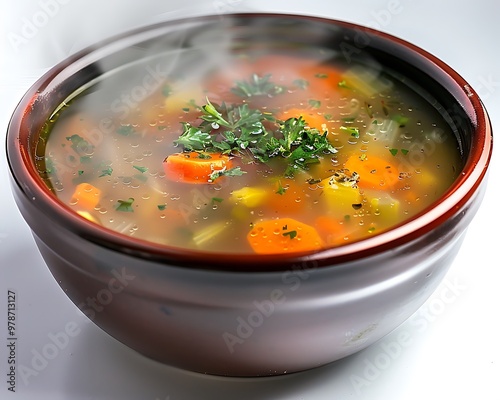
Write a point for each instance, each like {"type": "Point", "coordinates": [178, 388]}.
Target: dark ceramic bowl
{"type": "Point", "coordinates": [250, 315]}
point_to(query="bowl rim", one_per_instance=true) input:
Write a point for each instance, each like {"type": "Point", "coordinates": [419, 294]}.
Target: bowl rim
{"type": "Point", "coordinates": [27, 179]}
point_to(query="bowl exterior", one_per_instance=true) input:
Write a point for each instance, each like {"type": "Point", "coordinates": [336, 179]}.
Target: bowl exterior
{"type": "Point", "coordinates": [247, 324]}
{"type": "Point", "coordinates": [241, 319]}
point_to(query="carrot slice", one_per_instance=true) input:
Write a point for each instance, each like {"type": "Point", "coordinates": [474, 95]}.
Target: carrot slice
{"type": "Point", "coordinates": [312, 118]}
{"type": "Point", "coordinates": [194, 167]}
{"type": "Point", "coordinates": [284, 235]}
{"type": "Point", "coordinates": [86, 196]}
{"type": "Point", "coordinates": [331, 229]}
{"type": "Point", "coordinates": [374, 172]}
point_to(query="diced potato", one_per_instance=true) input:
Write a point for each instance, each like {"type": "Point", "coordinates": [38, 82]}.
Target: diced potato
{"type": "Point", "coordinates": [250, 197]}
{"type": "Point", "coordinates": [341, 199]}
{"type": "Point", "coordinates": [383, 205]}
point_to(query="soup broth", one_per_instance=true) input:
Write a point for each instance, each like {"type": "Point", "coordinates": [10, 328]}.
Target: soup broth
{"type": "Point", "coordinates": [256, 152]}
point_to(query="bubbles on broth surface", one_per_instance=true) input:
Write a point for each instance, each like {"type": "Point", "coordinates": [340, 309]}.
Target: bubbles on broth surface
{"type": "Point", "coordinates": [340, 187]}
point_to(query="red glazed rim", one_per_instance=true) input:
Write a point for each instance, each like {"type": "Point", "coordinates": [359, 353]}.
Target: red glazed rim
{"type": "Point", "coordinates": [20, 149]}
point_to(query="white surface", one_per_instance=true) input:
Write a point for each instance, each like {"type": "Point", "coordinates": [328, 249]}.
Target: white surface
{"type": "Point", "coordinates": [448, 350]}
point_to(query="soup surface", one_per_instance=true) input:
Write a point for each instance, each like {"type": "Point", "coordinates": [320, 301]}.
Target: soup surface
{"type": "Point", "coordinates": [258, 152]}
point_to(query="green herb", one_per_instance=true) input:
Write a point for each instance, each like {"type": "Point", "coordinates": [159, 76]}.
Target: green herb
{"type": "Point", "coordinates": [125, 130]}
{"type": "Point", "coordinates": [343, 84]}
{"type": "Point", "coordinates": [315, 103]}
{"type": "Point", "coordinates": [161, 207]}
{"type": "Point", "coordinates": [362, 157]}
{"type": "Point", "coordinates": [301, 83]}
{"type": "Point", "coordinates": [217, 200]}
{"type": "Point", "coordinates": [257, 86]}
{"type": "Point", "coordinates": [140, 169]}
{"type": "Point", "coordinates": [166, 90]}
{"type": "Point", "coordinates": [393, 151]}
{"type": "Point", "coordinates": [240, 129]}
{"type": "Point", "coordinates": [328, 116]}
{"type": "Point", "coordinates": [405, 151]}
{"type": "Point", "coordinates": [321, 75]}
{"type": "Point", "coordinates": [354, 132]}
{"type": "Point", "coordinates": [290, 234]}
{"type": "Point", "coordinates": [106, 171]}
{"type": "Point", "coordinates": [80, 172]}
{"type": "Point", "coordinates": [185, 109]}
{"type": "Point", "coordinates": [226, 172]}
{"type": "Point", "coordinates": [401, 120]}
{"type": "Point", "coordinates": [194, 138]}
{"type": "Point", "coordinates": [281, 190]}
{"type": "Point", "coordinates": [204, 156]}
{"type": "Point", "coordinates": [125, 205]}
{"type": "Point", "coordinates": [80, 145]}
{"type": "Point", "coordinates": [371, 229]}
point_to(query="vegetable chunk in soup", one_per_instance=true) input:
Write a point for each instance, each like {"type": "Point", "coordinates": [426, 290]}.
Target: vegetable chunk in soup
{"type": "Point", "coordinates": [265, 153]}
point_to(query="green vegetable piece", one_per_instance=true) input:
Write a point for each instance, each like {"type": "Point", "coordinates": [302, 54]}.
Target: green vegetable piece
{"type": "Point", "coordinates": [291, 234]}
{"type": "Point", "coordinates": [125, 205]}
{"type": "Point", "coordinates": [140, 169]}
{"type": "Point", "coordinates": [226, 172]}
{"type": "Point", "coordinates": [125, 130]}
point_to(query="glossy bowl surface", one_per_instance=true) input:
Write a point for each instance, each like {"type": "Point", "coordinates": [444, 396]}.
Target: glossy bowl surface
{"type": "Point", "coordinates": [250, 315]}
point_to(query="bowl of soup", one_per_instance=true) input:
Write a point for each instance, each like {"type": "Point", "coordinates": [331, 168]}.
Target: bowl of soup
{"type": "Point", "coordinates": [253, 194]}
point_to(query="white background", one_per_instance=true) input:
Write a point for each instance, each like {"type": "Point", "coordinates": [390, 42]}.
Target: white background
{"type": "Point", "coordinates": [450, 349]}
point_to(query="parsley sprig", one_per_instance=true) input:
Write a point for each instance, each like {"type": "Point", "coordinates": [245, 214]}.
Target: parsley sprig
{"type": "Point", "coordinates": [240, 129]}
{"type": "Point", "coordinates": [257, 86]}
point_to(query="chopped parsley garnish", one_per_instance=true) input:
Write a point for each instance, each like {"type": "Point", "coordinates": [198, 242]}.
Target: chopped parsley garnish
{"type": "Point", "coordinates": [80, 145]}
{"type": "Point", "coordinates": [241, 130]}
{"type": "Point", "coordinates": [106, 171]}
{"type": "Point", "coordinates": [166, 90]}
{"type": "Point", "coordinates": [281, 190]}
{"type": "Point", "coordinates": [226, 172]}
{"type": "Point", "coordinates": [353, 131]}
{"type": "Point", "coordinates": [400, 119]}
{"type": "Point", "coordinates": [395, 151]}
{"type": "Point", "coordinates": [125, 130]}
{"type": "Point", "coordinates": [314, 103]}
{"type": "Point", "coordinates": [291, 234]}
{"type": "Point", "coordinates": [125, 205]}
{"type": "Point", "coordinates": [217, 200]}
{"type": "Point", "coordinates": [257, 86]}
{"type": "Point", "coordinates": [80, 172]}
{"type": "Point", "coordinates": [161, 207]}
{"type": "Point", "coordinates": [343, 84]}
{"type": "Point", "coordinates": [301, 83]}
{"type": "Point", "coordinates": [140, 169]}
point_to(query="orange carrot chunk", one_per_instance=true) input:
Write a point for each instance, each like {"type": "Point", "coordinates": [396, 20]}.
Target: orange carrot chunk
{"type": "Point", "coordinates": [284, 235]}
{"type": "Point", "coordinates": [311, 117]}
{"type": "Point", "coordinates": [194, 167]}
{"type": "Point", "coordinates": [374, 172]}
{"type": "Point", "coordinates": [86, 196]}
